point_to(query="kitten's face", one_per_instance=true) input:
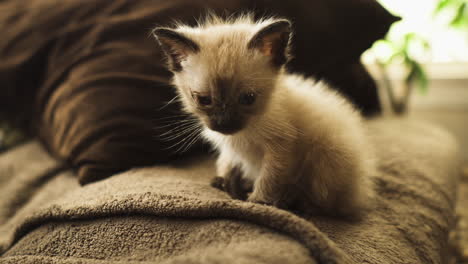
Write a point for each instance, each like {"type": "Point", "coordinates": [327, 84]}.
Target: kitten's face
{"type": "Point", "coordinates": [225, 89]}
{"type": "Point", "coordinates": [225, 74]}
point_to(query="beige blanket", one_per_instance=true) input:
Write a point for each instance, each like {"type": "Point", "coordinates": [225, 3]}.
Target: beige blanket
{"type": "Point", "coordinates": [172, 215]}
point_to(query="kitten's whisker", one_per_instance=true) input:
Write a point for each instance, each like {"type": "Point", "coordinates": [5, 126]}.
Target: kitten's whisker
{"type": "Point", "coordinates": [195, 139]}
{"type": "Point", "coordinates": [177, 123]}
{"type": "Point", "coordinates": [181, 132]}
{"type": "Point", "coordinates": [176, 129]}
{"type": "Point", "coordinates": [179, 129]}
{"type": "Point", "coordinates": [173, 117]}
{"type": "Point", "coordinates": [194, 132]}
{"type": "Point", "coordinates": [184, 147]}
{"type": "Point", "coordinates": [170, 102]}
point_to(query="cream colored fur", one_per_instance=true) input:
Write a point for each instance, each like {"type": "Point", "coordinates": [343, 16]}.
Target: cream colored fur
{"type": "Point", "coordinates": [302, 141]}
{"type": "Point", "coordinates": [309, 137]}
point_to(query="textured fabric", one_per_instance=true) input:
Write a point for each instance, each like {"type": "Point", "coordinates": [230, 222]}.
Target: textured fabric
{"type": "Point", "coordinates": [91, 83]}
{"type": "Point", "coordinates": [459, 236]}
{"type": "Point", "coordinates": [170, 214]}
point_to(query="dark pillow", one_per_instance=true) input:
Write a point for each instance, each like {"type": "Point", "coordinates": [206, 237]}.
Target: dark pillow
{"type": "Point", "coordinates": [92, 84]}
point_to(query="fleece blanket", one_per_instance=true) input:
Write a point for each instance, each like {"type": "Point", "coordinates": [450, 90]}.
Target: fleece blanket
{"type": "Point", "coordinates": [170, 214]}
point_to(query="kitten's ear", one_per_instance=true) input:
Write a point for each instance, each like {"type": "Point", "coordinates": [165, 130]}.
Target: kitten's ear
{"type": "Point", "coordinates": [273, 41]}
{"type": "Point", "coordinates": [176, 46]}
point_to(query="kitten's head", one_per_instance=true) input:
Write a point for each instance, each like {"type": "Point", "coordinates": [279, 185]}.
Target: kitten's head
{"type": "Point", "coordinates": [225, 71]}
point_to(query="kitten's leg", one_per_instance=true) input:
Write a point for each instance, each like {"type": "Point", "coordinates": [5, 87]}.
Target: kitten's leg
{"type": "Point", "coordinates": [337, 180]}
{"type": "Point", "coordinates": [230, 179]}
{"type": "Point", "coordinates": [232, 183]}
{"type": "Point", "coordinates": [223, 167]}
{"type": "Point", "coordinates": [277, 180]}
{"type": "Point", "coordinates": [217, 182]}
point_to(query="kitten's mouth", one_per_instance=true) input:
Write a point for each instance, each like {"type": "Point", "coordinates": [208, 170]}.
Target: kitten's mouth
{"type": "Point", "coordinates": [225, 129]}
{"type": "Point", "coordinates": [225, 123]}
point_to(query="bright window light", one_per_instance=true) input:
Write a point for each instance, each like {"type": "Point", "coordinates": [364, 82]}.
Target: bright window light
{"type": "Point", "coordinates": [447, 45]}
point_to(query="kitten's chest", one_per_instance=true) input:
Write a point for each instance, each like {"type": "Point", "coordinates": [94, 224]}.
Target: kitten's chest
{"type": "Point", "coordinates": [246, 154]}
{"type": "Point", "coordinates": [248, 151]}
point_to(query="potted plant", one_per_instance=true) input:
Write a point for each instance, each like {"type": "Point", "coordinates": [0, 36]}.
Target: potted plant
{"type": "Point", "coordinates": [399, 51]}
{"type": "Point", "coordinates": [414, 72]}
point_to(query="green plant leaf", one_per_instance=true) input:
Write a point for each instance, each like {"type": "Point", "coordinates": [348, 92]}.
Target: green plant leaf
{"type": "Point", "coordinates": [417, 76]}
{"type": "Point", "coordinates": [422, 78]}
{"type": "Point", "coordinates": [441, 6]}
{"type": "Point", "coordinates": [408, 39]}
{"type": "Point", "coordinates": [386, 45]}
{"type": "Point", "coordinates": [393, 57]}
{"type": "Point", "coordinates": [460, 16]}
{"type": "Point", "coordinates": [411, 76]}
{"type": "Point", "coordinates": [422, 41]}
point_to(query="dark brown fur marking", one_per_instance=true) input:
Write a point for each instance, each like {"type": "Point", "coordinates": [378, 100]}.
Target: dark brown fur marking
{"type": "Point", "coordinates": [280, 46]}
{"type": "Point", "coordinates": [233, 184]}
{"type": "Point", "coordinates": [175, 46]}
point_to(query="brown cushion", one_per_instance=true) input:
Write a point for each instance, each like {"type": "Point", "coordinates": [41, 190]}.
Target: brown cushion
{"type": "Point", "coordinates": [93, 86]}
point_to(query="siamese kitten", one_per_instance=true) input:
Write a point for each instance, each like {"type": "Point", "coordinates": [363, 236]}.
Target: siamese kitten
{"type": "Point", "coordinates": [294, 142]}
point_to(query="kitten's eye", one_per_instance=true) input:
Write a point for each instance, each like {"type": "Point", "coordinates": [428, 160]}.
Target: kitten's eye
{"type": "Point", "coordinates": [204, 100]}
{"type": "Point", "coordinates": [247, 98]}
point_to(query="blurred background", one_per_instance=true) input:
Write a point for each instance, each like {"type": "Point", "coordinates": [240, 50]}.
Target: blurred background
{"type": "Point", "coordinates": [422, 71]}
{"type": "Point", "coordinates": [422, 65]}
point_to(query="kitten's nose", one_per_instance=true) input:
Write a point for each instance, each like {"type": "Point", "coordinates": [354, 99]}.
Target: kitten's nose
{"type": "Point", "coordinates": [225, 124]}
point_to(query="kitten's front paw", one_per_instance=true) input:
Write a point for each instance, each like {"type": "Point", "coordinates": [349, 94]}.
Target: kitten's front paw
{"type": "Point", "coordinates": [233, 184]}
{"type": "Point", "coordinates": [217, 182]}
{"type": "Point", "coordinates": [257, 199]}
{"type": "Point", "coordinates": [261, 199]}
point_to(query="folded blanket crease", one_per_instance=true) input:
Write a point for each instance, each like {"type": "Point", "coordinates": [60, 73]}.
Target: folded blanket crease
{"type": "Point", "coordinates": [170, 214]}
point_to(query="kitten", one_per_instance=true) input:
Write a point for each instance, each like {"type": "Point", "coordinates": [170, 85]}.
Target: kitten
{"type": "Point", "coordinates": [295, 141]}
